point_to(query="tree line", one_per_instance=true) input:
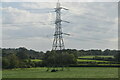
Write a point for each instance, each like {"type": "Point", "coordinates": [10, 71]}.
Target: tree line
{"type": "Point", "coordinates": [21, 57]}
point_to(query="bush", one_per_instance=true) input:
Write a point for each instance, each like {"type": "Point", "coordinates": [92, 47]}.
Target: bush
{"type": "Point", "coordinates": [5, 63]}
{"type": "Point", "coordinates": [117, 57]}
{"type": "Point", "coordinates": [11, 61]}
{"type": "Point", "coordinates": [54, 59]}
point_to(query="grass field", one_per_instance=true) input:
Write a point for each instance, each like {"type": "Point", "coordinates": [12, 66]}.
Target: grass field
{"type": "Point", "coordinates": [36, 60]}
{"type": "Point", "coordinates": [94, 56]}
{"type": "Point", "coordinates": [75, 72]}
{"type": "Point", "coordinates": [84, 60]}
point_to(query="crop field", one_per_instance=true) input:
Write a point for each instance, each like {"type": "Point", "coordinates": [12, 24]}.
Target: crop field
{"type": "Point", "coordinates": [74, 72]}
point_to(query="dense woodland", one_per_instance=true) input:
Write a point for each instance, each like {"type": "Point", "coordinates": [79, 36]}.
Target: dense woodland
{"type": "Point", "coordinates": [21, 57]}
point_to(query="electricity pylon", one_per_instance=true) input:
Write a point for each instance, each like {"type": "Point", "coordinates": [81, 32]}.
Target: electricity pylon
{"type": "Point", "coordinates": [58, 43]}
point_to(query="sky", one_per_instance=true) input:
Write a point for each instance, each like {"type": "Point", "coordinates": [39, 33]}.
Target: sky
{"type": "Point", "coordinates": [93, 25]}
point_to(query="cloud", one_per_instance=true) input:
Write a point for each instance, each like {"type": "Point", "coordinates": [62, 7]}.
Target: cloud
{"type": "Point", "coordinates": [60, 0]}
{"type": "Point", "coordinates": [92, 25]}
{"type": "Point", "coordinates": [39, 5]}
{"type": "Point", "coordinates": [36, 43]}
{"type": "Point", "coordinates": [96, 25]}
{"type": "Point", "coordinates": [17, 16]}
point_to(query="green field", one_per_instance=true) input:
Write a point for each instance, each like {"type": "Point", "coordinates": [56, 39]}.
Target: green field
{"type": "Point", "coordinates": [36, 60]}
{"type": "Point", "coordinates": [84, 60]}
{"type": "Point", "coordinates": [94, 56]}
{"type": "Point", "coordinates": [75, 72]}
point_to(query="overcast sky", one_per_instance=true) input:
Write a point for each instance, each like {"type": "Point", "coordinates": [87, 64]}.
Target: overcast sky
{"type": "Point", "coordinates": [93, 25]}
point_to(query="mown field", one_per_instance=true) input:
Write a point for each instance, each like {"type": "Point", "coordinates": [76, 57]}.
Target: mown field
{"type": "Point", "coordinates": [84, 60]}
{"type": "Point", "coordinates": [94, 56]}
{"type": "Point", "coordinates": [36, 60]}
{"type": "Point", "coordinates": [74, 72]}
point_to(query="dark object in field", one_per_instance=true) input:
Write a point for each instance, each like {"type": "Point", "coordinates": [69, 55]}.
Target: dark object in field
{"type": "Point", "coordinates": [54, 70]}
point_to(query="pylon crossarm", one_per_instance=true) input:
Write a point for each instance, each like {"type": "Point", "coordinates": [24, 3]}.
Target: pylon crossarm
{"type": "Point", "coordinates": [65, 8]}
{"type": "Point", "coordinates": [65, 21]}
{"type": "Point", "coordinates": [66, 34]}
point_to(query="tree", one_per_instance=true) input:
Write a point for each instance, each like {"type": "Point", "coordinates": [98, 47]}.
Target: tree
{"type": "Point", "coordinates": [5, 63]}
{"type": "Point", "coordinates": [106, 52]}
{"type": "Point", "coordinates": [10, 61]}
{"type": "Point", "coordinates": [13, 60]}
{"type": "Point", "coordinates": [58, 59]}
{"type": "Point", "coordinates": [22, 53]}
{"type": "Point", "coordinates": [117, 56]}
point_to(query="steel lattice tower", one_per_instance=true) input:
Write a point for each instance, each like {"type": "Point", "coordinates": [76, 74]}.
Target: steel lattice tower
{"type": "Point", "coordinates": [58, 43]}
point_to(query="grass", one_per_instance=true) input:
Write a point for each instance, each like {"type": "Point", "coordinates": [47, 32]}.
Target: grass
{"type": "Point", "coordinates": [75, 72]}
{"type": "Point", "coordinates": [84, 60]}
{"type": "Point", "coordinates": [36, 60]}
{"type": "Point", "coordinates": [106, 56]}
{"type": "Point", "coordinates": [94, 56]}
